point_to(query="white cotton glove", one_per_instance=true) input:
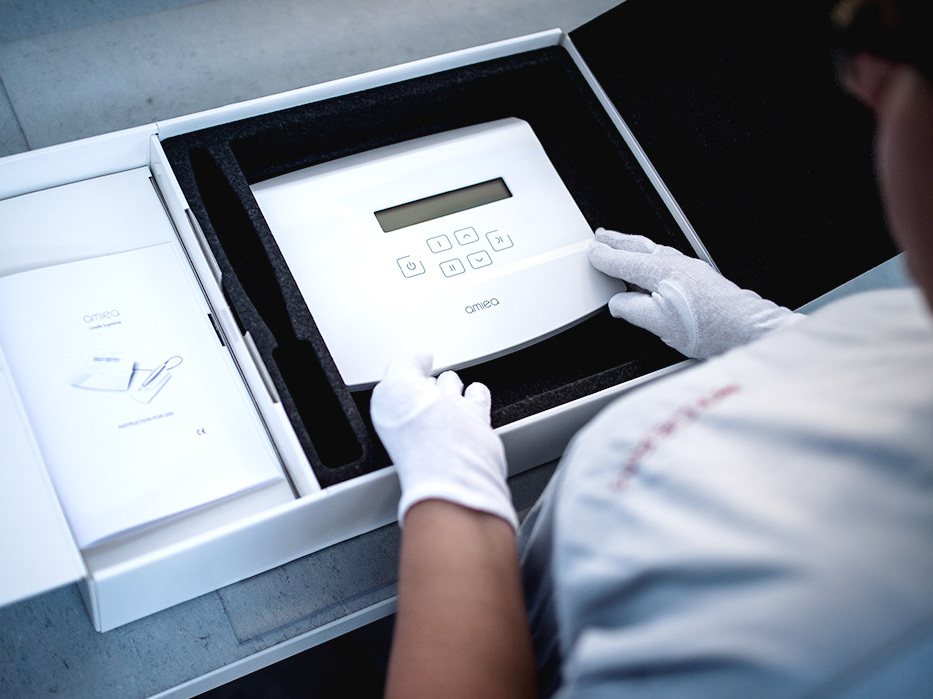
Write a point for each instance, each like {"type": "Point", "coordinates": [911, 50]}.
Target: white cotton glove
{"type": "Point", "coordinates": [440, 439]}
{"type": "Point", "coordinates": [682, 300]}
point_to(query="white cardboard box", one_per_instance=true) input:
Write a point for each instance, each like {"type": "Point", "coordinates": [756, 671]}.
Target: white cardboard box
{"type": "Point", "coordinates": [197, 553]}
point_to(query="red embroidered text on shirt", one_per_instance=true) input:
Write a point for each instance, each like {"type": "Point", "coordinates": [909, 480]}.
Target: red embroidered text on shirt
{"type": "Point", "coordinates": [681, 417]}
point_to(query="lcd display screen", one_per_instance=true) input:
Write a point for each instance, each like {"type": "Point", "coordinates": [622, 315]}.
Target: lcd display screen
{"type": "Point", "coordinates": [444, 204]}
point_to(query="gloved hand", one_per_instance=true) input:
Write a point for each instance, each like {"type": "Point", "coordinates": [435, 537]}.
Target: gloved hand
{"type": "Point", "coordinates": [682, 300]}
{"type": "Point", "coordinates": [440, 439]}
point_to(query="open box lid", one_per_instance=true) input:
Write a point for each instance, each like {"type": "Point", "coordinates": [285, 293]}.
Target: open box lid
{"type": "Point", "coordinates": [741, 113]}
{"type": "Point", "coordinates": [110, 208]}
{"type": "Point", "coordinates": [37, 548]}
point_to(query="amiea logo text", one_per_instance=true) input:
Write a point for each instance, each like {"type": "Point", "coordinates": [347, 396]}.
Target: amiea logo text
{"type": "Point", "coordinates": [481, 306]}
{"type": "Point", "coordinates": [101, 316]}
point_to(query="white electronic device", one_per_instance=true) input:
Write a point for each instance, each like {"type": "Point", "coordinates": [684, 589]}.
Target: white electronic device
{"type": "Point", "coordinates": [465, 244]}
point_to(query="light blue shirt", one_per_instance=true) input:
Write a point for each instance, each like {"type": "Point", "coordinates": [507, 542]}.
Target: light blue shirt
{"type": "Point", "coordinates": [759, 525]}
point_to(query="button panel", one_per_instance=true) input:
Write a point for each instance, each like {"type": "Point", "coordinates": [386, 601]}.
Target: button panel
{"type": "Point", "coordinates": [477, 257]}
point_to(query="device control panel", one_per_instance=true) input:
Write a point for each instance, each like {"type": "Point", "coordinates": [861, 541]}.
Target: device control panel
{"type": "Point", "coordinates": [464, 244]}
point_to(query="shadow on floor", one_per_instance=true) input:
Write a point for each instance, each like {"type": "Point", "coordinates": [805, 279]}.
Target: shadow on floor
{"type": "Point", "coordinates": [353, 665]}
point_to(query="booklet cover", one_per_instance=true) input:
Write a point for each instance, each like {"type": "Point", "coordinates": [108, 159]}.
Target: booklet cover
{"type": "Point", "coordinates": [137, 408]}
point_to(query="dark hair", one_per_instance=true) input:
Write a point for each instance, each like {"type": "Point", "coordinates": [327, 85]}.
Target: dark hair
{"type": "Point", "coordinates": [901, 30]}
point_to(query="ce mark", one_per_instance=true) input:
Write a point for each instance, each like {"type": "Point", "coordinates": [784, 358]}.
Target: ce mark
{"type": "Point", "coordinates": [202, 432]}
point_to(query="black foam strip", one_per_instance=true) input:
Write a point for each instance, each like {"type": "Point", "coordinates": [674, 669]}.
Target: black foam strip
{"type": "Point", "coordinates": [324, 416]}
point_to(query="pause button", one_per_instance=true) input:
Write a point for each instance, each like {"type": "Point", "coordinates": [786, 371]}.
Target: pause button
{"type": "Point", "coordinates": [452, 268]}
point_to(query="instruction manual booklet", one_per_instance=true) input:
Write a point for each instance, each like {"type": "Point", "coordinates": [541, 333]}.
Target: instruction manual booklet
{"type": "Point", "coordinates": [137, 408]}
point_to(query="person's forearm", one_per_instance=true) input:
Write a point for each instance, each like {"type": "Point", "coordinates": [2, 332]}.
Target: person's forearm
{"type": "Point", "coordinates": [461, 627]}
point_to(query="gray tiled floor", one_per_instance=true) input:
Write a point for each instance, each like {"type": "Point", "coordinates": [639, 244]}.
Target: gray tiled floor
{"type": "Point", "coordinates": [76, 68]}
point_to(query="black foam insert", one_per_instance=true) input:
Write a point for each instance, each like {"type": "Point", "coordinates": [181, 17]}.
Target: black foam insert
{"type": "Point", "coordinates": [738, 110]}
{"type": "Point", "coordinates": [216, 166]}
